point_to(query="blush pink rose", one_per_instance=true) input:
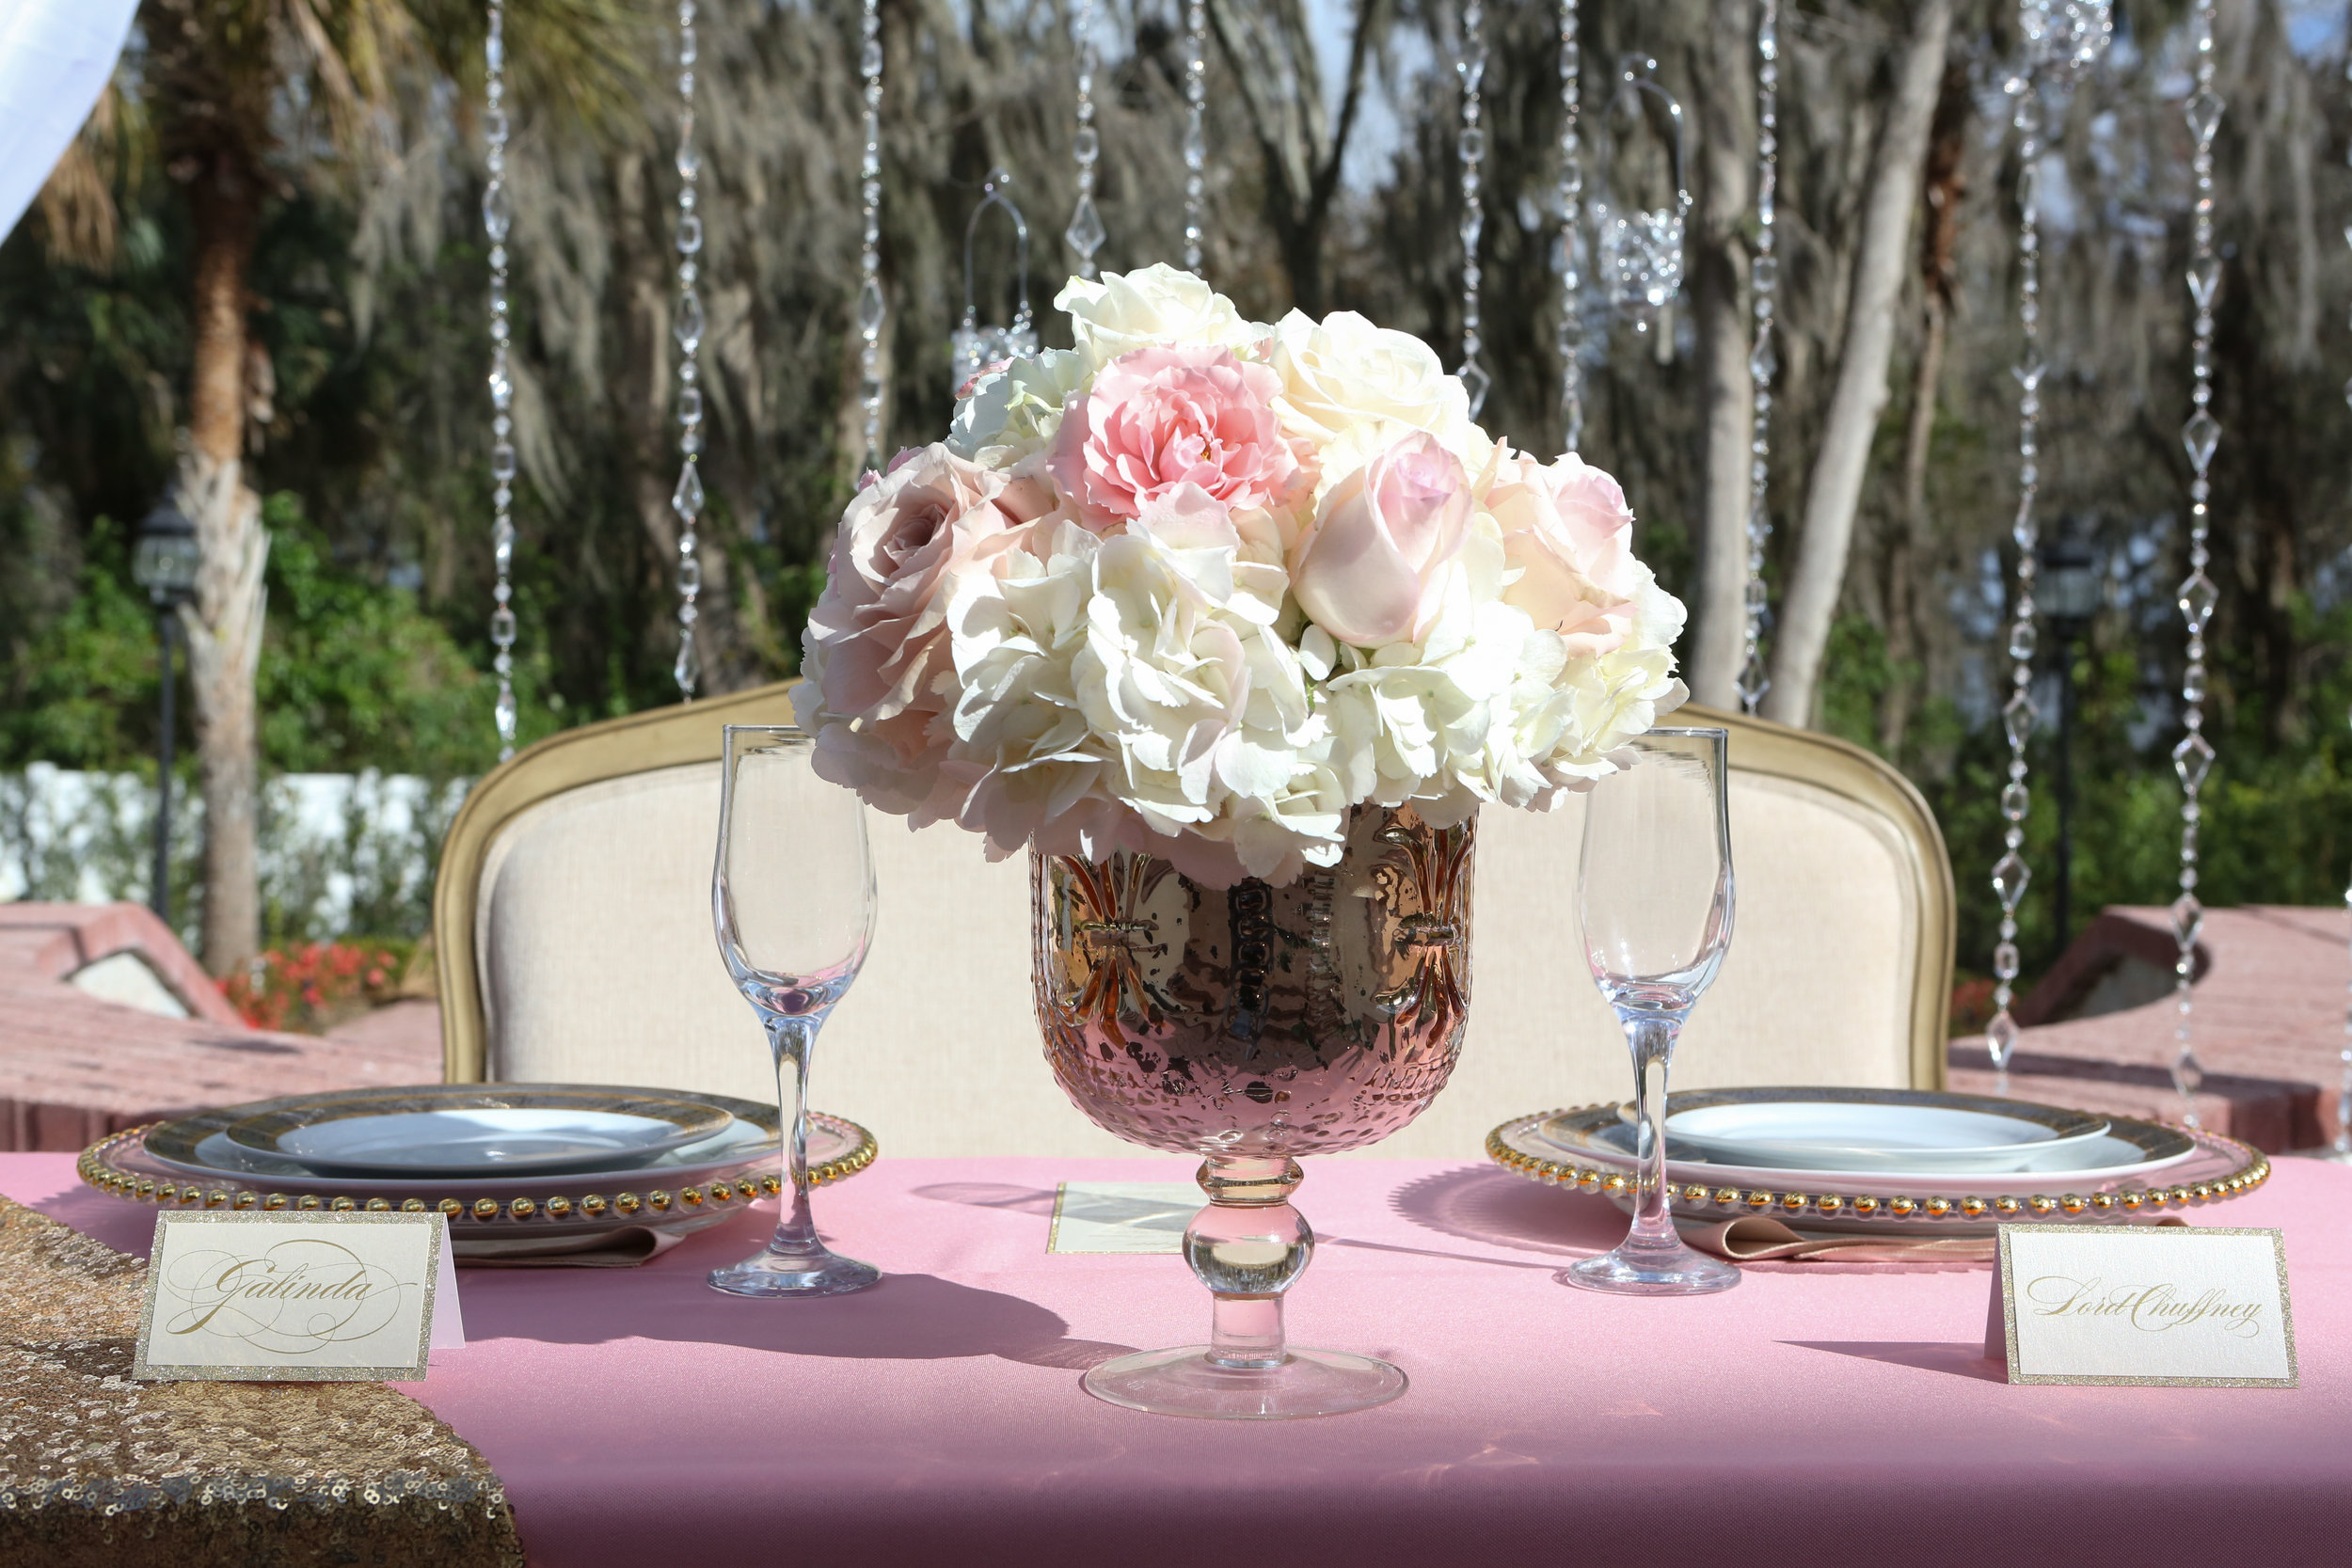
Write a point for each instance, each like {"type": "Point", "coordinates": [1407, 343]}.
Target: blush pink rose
{"type": "Point", "coordinates": [1156, 418]}
{"type": "Point", "coordinates": [877, 642]}
{"type": "Point", "coordinates": [1568, 530]}
{"type": "Point", "coordinates": [1371, 570]}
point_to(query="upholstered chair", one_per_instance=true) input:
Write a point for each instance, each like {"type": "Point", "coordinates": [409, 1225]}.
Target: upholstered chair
{"type": "Point", "coordinates": [572, 920]}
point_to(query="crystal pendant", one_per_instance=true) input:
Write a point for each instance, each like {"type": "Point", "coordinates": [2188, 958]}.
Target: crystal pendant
{"type": "Point", "coordinates": [2197, 595]}
{"type": "Point", "coordinates": [1475, 381]}
{"type": "Point", "coordinates": [2204, 110]}
{"type": "Point", "coordinates": [2188, 919]}
{"type": "Point", "coordinates": [504, 714]}
{"type": "Point", "coordinates": [2022, 640]}
{"type": "Point", "coordinates": [2016, 802]}
{"type": "Point", "coordinates": [2199, 437]}
{"type": "Point", "coordinates": [2189, 1075]}
{"type": "Point", "coordinates": [2010, 878]}
{"type": "Point", "coordinates": [870, 310]}
{"type": "Point", "coordinates": [687, 500]}
{"type": "Point", "coordinates": [1086, 234]}
{"type": "Point", "coordinates": [2204, 282]}
{"type": "Point", "coordinates": [2029, 370]}
{"type": "Point", "coordinates": [2192, 759]}
{"type": "Point", "coordinates": [688, 668]}
{"type": "Point", "coordinates": [2000, 1039]}
{"type": "Point", "coordinates": [2017, 720]}
{"type": "Point", "coordinates": [2005, 961]}
{"type": "Point", "coordinates": [498, 209]}
{"type": "Point", "coordinates": [1763, 364]}
{"type": "Point", "coordinates": [688, 326]}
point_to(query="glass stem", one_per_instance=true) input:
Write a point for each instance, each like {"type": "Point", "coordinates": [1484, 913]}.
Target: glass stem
{"type": "Point", "coordinates": [791, 1038]}
{"type": "Point", "coordinates": [1653, 1043]}
{"type": "Point", "coordinates": [1247, 1247]}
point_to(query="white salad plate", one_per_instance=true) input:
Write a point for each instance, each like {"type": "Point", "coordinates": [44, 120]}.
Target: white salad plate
{"type": "Point", "coordinates": [1957, 1135]}
{"type": "Point", "coordinates": [470, 1129]}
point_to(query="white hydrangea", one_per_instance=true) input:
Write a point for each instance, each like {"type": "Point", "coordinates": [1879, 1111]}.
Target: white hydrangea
{"type": "Point", "coordinates": [1146, 673]}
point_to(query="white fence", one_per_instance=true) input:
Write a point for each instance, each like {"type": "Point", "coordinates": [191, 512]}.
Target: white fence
{"type": "Point", "coordinates": [340, 852]}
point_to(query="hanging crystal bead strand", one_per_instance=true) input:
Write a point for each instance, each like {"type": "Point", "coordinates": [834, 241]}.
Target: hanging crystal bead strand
{"type": "Point", "coordinates": [2010, 874]}
{"type": "Point", "coordinates": [498, 220]}
{"type": "Point", "coordinates": [2192, 759]}
{"type": "Point", "coordinates": [1470, 67]}
{"type": "Point", "coordinates": [687, 500]}
{"type": "Point", "coordinates": [1763, 288]}
{"type": "Point", "coordinates": [2342, 1146]}
{"type": "Point", "coordinates": [1195, 130]}
{"type": "Point", "coordinates": [1086, 234]}
{"type": "Point", "coordinates": [1572, 334]}
{"type": "Point", "coordinates": [870, 310]}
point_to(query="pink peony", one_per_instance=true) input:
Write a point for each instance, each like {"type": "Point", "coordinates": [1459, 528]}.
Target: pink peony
{"type": "Point", "coordinates": [1566, 525]}
{"type": "Point", "coordinates": [877, 643]}
{"type": "Point", "coordinates": [1371, 570]}
{"type": "Point", "coordinates": [1160, 417]}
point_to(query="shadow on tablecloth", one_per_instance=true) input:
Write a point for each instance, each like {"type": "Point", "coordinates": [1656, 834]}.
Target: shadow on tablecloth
{"type": "Point", "coordinates": [1479, 1203]}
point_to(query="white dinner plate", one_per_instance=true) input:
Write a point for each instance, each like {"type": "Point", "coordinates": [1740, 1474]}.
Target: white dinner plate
{"type": "Point", "coordinates": [1985, 1138]}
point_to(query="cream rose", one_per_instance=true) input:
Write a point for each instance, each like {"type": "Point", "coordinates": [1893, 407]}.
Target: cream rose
{"type": "Point", "coordinates": [1157, 306]}
{"type": "Point", "coordinates": [1372, 570]}
{"type": "Point", "coordinates": [1341, 375]}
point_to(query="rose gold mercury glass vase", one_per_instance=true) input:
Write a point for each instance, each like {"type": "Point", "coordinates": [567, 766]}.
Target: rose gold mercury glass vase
{"type": "Point", "coordinates": [1252, 1025]}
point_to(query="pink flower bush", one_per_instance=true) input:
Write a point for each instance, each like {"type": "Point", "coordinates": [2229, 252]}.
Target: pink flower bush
{"type": "Point", "coordinates": [1371, 571]}
{"type": "Point", "coordinates": [1568, 530]}
{"type": "Point", "coordinates": [1160, 417]}
{"type": "Point", "coordinates": [876, 647]}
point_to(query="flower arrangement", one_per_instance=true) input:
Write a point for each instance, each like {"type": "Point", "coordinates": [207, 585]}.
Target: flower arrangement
{"type": "Point", "coordinates": [1198, 586]}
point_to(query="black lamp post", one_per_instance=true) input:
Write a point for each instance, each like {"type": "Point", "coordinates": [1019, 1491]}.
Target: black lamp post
{"type": "Point", "coordinates": [165, 563]}
{"type": "Point", "coordinates": [2067, 590]}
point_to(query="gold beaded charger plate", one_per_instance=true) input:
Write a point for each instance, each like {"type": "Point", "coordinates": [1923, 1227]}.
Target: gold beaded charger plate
{"type": "Point", "coordinates": [1566, 1149]}
{"type": "Point", "coordinates": [438, 1131]}
{"type": "Point", "coordinates": [491, 1217]}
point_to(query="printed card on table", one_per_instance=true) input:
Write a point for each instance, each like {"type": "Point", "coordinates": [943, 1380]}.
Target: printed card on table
{"type": "Point", "coordinates": [2142, 1304]}
{"type": "Point", "coordinates": [301, 1297]}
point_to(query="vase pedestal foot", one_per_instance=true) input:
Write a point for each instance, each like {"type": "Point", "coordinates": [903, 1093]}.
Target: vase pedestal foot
{"type": "Point", "coordinates": [1185, 1381]}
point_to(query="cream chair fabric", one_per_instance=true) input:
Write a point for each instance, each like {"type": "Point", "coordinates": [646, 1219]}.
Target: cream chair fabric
{"type": "Point", "coordinates": [590, 932]}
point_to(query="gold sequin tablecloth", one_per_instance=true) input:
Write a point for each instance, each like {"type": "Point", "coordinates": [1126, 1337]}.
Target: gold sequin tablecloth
{"type": "Point", "coordinates": [98, 1470]}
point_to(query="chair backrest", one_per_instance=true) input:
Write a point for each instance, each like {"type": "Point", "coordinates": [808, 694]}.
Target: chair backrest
{"type": "Point", "coordinates": [572, 920]}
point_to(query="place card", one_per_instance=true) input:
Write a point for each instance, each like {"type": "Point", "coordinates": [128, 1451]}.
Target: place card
{"type": "Point", "coordinates": [297, 1297]}
{"type": "Point", "coordinates": [1122, 1216]}
{"type": "Point", "coordinates": [2117, 1303]}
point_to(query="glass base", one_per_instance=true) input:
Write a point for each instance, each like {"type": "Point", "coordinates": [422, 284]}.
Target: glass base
{"type": "Point", "coordinates": [771, 1272]}
{"type": "Point", "coordinates": [1185, 1381]}
{"type": "Point", "coordinates": [1673, 1270]}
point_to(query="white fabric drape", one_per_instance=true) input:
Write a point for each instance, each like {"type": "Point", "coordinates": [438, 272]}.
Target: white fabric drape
{"type": "Point", "coordinates": [55, 57]}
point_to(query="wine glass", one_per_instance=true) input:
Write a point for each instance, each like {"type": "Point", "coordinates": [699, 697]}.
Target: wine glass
{"type": "Point", "coordinates": [1654, 892]}
{"type": "Point", "coordinates": [793, 900]}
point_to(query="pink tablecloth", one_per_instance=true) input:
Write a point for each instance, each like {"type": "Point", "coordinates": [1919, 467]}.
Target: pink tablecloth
{"type": "Point", "coordinates": [641, 1418]}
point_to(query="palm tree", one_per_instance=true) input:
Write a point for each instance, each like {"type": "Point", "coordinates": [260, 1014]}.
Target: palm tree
{"type": "Point", "coordinates": [250, 101]}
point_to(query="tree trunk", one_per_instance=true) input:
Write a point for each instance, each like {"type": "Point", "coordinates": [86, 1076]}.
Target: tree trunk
{"type": "Point", "coordinates": [224, 624]}
{"type": "Point", "coordinates": [1718, 272]}
{"type": "Point", "coordinates": [1818, 581]}
{"type": "Point", "coordinates": [1939, 241]}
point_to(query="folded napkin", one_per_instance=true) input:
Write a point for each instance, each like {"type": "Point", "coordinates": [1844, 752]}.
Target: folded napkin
{"type": "Point", "coordinates": [624, 1248]}
{"type": "Point", "coordinates": [1754, 1239]}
